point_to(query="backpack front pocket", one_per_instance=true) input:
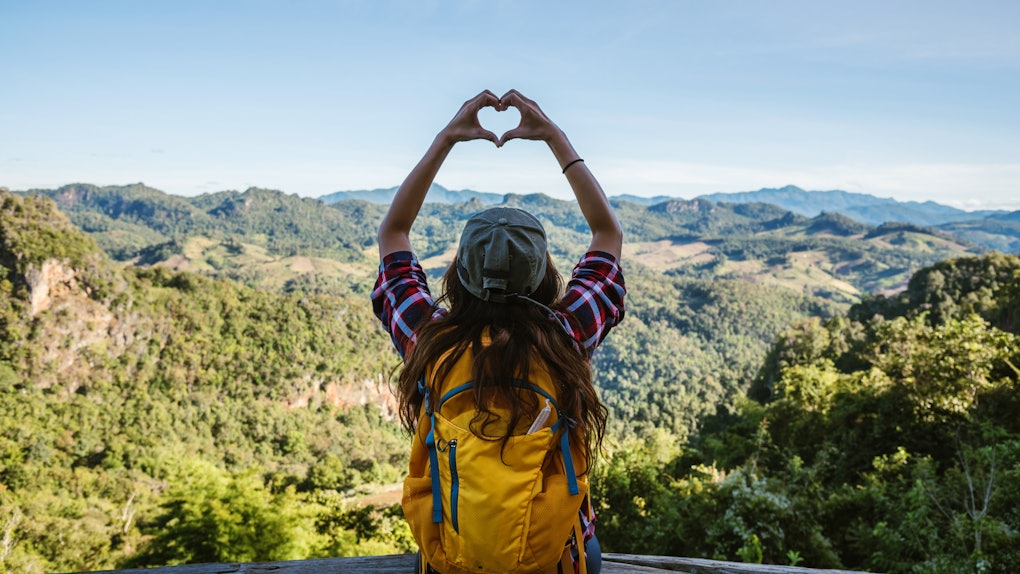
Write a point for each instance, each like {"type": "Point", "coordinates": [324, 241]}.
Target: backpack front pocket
{"type": "Point", "coordinates": [486, 493]}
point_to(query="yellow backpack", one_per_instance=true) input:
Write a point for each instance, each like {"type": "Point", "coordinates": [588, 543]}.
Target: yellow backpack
{"type": "Point", "coordinates": [476, 507]}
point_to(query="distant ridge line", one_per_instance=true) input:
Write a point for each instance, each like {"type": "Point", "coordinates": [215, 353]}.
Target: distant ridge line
{"type": "Point", "coordinates": [862, 207]}
{"type": "Point", "coordinates": [436, 194]}
{"type": "Point", "coordinates": [137, 204]}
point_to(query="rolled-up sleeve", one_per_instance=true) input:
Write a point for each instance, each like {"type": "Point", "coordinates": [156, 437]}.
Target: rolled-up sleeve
{"type": "Point", "coordinates": [594, 300]}
{"type": "Point", "coordinates": [401, 299]}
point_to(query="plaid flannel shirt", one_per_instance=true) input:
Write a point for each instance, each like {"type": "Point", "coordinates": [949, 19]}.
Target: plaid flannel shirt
{"type": "Point", "coordinates": [593, 301]}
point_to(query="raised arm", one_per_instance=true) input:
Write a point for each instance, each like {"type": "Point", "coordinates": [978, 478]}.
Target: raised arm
{"type": "Point", "coordinates": [607, 235]}
{"type": "Point", "coordinates": [395, 229]}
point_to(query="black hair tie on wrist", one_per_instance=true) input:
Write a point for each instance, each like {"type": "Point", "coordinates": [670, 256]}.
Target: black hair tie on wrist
{"type": "Point", "coordinates": [566, 167]}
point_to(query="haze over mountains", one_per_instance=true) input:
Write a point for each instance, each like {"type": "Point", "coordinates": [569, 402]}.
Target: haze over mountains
{"type": "Point", "coordinates": [437, 194]}
{"type": "Point", "coordinates": [862, 207]}
{"type": "Point", "coordinates": [992, 229]}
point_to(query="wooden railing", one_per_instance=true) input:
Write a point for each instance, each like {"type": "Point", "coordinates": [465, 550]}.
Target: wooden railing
{"type": "Point", "coordinates": [405, 563]}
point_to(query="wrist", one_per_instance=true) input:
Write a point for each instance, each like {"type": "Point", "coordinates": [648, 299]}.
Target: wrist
{"type": "Point", "coordinates": [562, 148]}
{"type": "Point", "coordinates": [556, 137]}
{"type": "Point", "coordinates": [444, 142]}
{"type": "Point", "coordinates": [444, 139]}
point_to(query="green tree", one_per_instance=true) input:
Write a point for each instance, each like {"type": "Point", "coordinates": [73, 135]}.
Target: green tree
{"type": "Point", "coordinates": [210, 516]}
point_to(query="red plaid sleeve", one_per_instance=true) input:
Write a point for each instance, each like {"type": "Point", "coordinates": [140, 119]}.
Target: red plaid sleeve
{"type": "Point", "coordinates": [591, 306]}
{"type": "Point", "coordinates": [401, 299]}
{"type": "Point", "coordinates": [593, 302]}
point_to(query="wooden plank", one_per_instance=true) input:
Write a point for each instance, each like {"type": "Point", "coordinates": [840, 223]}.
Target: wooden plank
{"type": "Point", "coordinates": [392, 564]}
{"type": "Point", "coordinates": [610, 567]}
{"type": "Point", "coordinates": [405, 564]}
{"type": "Point", "coordinates": [700, 566]}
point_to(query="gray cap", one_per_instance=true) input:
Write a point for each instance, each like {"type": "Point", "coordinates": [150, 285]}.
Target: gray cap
{"type": "Point", "coordinates": [502, 252]}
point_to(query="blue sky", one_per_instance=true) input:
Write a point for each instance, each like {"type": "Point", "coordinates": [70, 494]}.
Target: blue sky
{"type": "Point", "coordinates": [915, 100]}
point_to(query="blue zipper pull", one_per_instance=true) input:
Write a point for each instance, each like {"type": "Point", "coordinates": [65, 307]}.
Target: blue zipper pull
{"type": "Point", "coordinates": [454, 484]}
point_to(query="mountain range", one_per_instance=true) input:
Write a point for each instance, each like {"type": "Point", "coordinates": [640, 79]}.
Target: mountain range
{"type": "Point", "coordinates": [270, 239]}
{"type": "Point", "coordinates": [860, 206]}
{"type": "Point", "coordinates": [991, 229]}
{"type": "Point", "coordinates": [710, 284]}
{"type": "Point", "coordinates": [437, 194]}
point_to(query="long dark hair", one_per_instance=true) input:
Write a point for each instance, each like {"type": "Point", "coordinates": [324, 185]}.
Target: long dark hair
{"type": "Point", "coordinates": [521, 338]}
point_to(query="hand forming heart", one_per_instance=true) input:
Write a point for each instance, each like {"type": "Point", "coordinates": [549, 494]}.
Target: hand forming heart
{"type": "Point", "coordinates": [532, 123]}
{"type": "Point", "coordinates": [497, 121]}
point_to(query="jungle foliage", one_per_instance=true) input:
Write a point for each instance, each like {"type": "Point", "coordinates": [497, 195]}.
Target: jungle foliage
{"type": "Point", "coordinates": [152, 417]}
{"type": "Point", "coordinates": [201, 379]}
{"type": "Point", "coordinates": [886, 439]}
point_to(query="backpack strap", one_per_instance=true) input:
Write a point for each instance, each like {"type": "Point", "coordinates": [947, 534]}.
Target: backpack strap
{"type": "Point", "coordinates": [430, 445]}
{"type": "Point", "coordinates": [575, 540]}
{"type": "Point", "coordinates": [582, 549]}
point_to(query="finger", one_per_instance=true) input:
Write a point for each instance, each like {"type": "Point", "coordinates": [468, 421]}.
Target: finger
{"type": "Point", "coordinates": [519, 99]}
{"type": "Point", "coordinates": [486, 134]}
{"type": "Point", "coordinates": [486, 98]}
{"type": "Point", "coordinates": [512, 134]}
{"type": "Point", "coordinates": [478, 102]}
{"type": "Point", "coordinates": [510, 98]}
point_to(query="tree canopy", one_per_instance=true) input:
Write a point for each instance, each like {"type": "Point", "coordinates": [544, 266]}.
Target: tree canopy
{"type": "Point", "coordinates": [196, 379]}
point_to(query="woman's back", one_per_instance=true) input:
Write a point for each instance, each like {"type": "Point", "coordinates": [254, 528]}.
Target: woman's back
{"type": "Point", "coordinates": [486, 464]}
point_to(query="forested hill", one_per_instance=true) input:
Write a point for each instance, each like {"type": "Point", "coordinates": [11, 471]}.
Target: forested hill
{"type": "Point", "coordinates": [703, 277]}
{"type": "Point", "coordinates": [693, 268]}
{"type": "Point", "coordinates": [184, 362]}
{"type": "Point", "coordinates": [134, 397]}
{"type": "Point", "coordinates": [266, 238]}
{"type": "Point", "coordinates": [992, 229]}
{"type": "Point", "coordinates": [884, 440]}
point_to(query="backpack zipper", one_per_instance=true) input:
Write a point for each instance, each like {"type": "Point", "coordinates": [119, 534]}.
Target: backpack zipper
{"type": "Point", "coordinates": [454, 485]}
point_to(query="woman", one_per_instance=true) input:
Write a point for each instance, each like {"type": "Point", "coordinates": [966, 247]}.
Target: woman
{"type": "Point", "coordinates": [509, 325]}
